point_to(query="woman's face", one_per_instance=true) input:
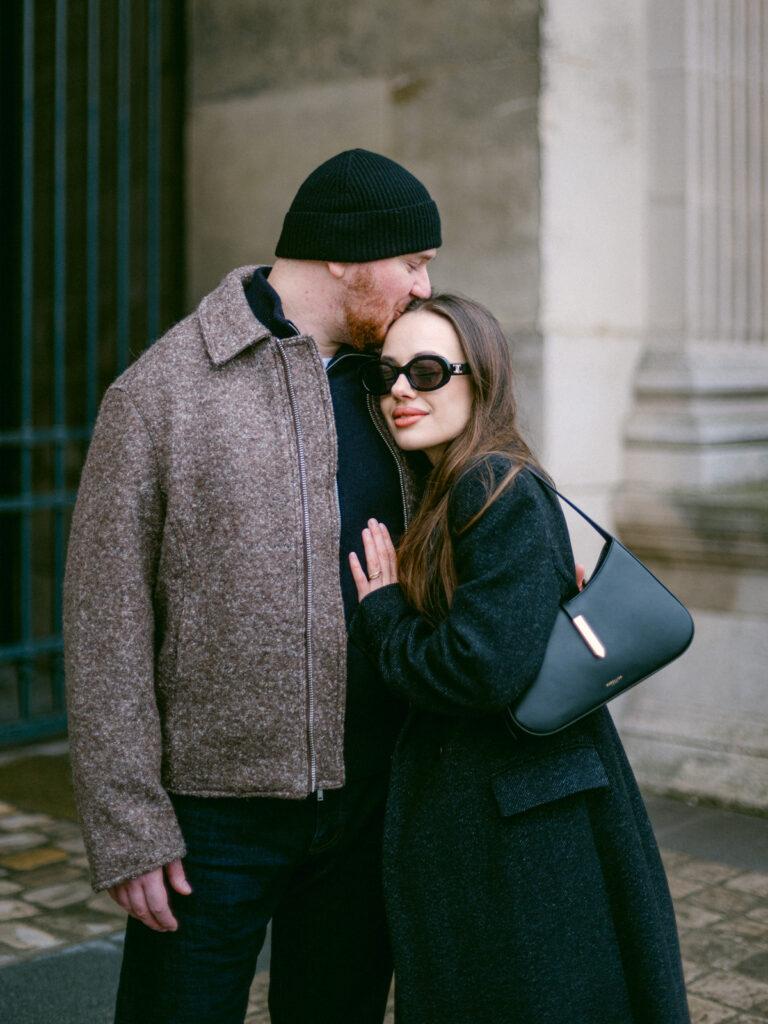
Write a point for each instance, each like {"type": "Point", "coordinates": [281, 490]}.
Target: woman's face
{"type": "Point", "coordinates": [425, 420]}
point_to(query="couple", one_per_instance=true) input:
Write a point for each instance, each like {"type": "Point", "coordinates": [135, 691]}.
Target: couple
{"type": "Point", "coordinates": [231, 745]}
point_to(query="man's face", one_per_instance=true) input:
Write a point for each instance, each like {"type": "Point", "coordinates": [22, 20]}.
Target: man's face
{"type": "Point", "coordinates": [378, 293]}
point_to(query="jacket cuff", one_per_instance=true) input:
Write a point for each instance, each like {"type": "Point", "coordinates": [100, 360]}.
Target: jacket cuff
{"type": "Point", "coordinates": [374, 616]}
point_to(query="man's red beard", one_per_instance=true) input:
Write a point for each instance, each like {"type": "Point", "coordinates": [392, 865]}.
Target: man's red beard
{"type": "Point", "coordinates": [365, 315]}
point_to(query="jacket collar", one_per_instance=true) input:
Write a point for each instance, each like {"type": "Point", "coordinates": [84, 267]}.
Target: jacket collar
{"type": "Point", "coordinates": [226, 319]}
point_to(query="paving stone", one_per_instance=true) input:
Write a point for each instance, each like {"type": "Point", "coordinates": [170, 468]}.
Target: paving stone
{"type": "Point", "coordinates": [78, 926]}
{"type": "Point", "coordinates": [755, 966]}
{"type": "Point", "coordinates": [680, 887]}
{"type": "Point", "coordinates": [689, 916]}
{"type": "Point", "coordinates": [706, 872]}
{"type": "Point", "coordinates": [10, 909]}
{"type": "Point", "coordinates": [751, 882]}
{"type": "Point", "coordinates": [8, 888]}
{"type": "Point", "coordinates": [73, 844]}
{"type": "Point", "coordinates": [20, 841]}
{"type": "Point", "coordinates": [103, 903]}
{"type": "Point", "coordinates": [693, 969]}
{"type": "Point", "coordinates": [753, 931]}
{"type": "Point", "coordinates": [30, 859]}
{"type": "Point", "coordinates": [705, 1011]}
{"type": "Point", "coordinates": [9, 822]}
{"type": "Point", "coordinates": [50, 874]}
{"type": "Point", "coordinates": [63, 829]}
{"type": "Point", "coordinates": [734, 990]}
{"type": "Point", "coordinates": [717, 950]}
{"type": "Point", "coordinates": [724, 900]}
{"type": "Point", "coordinates": [23, 936]}
{"type": "Point", "coordinates": [63, 895]}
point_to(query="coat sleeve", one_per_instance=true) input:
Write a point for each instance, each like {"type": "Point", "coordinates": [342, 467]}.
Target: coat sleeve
{"type": "Point", "coordinates": [129, 825]}
{"type": "Point", "coordinates": [490, 646]}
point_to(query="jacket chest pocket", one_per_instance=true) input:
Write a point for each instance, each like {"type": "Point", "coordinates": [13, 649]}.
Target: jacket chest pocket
{"type": "Point", "coordinates": [550, 777]}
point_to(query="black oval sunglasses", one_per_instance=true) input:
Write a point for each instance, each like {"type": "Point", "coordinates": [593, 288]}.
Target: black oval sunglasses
{"type": "Point", "coordinates": [424, 373]}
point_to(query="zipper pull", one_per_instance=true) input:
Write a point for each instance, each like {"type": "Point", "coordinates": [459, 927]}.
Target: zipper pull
{"type": "Point", "coordinates": [320, 794]}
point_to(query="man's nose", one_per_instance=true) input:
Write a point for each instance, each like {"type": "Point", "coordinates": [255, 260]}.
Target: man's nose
{"type": "Point", "coordinates": [422, 288]}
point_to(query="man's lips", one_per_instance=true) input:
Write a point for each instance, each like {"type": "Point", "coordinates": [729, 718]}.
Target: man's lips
{"type": "Point", "coordinates": [406, 417]}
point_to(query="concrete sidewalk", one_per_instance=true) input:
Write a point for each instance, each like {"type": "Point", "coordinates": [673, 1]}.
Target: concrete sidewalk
{"type": "Point", "coordinates": [60, 943]}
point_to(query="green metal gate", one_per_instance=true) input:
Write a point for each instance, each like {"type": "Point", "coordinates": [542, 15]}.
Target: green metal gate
{"type": "Point", "coordinates": [91, 124]}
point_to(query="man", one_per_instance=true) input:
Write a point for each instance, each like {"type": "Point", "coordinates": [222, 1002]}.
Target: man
{"type": "Point", "coordinates": [229, 750]}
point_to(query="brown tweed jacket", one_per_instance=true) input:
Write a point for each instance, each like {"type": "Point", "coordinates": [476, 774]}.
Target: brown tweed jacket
{"type": "Point", "coordinates": [204, 630]}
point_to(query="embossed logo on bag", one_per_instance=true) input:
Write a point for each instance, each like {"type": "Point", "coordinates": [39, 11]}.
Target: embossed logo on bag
{"type": "Point", "coordinates": [614, 681]}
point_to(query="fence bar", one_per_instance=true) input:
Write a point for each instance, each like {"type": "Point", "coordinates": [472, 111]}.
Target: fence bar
{"type": "Point", "coordinates": [45, 435]}
{"type": "Point", "coordinates": [27, 338]}
{"type": "Point", "coordinates": [154, 84]}
{"type": "Point", "coordinates": [92, 213]}
{"type": "Point", "coordinates": [60, 322]}
{"type": "Point", "coordinates": [27, 503]}
{"type": "Point", "coordinates": [123, 183]}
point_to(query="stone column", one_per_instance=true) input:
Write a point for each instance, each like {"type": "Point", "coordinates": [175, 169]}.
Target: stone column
{"type": "Point", "coordinates": [695, 500]}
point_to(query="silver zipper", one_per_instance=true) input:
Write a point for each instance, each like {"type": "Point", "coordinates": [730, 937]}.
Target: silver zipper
{"type": "Point", "coordinates": [308, 582]}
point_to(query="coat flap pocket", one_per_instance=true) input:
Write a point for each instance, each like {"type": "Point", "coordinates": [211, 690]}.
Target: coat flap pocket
{"type": "Point", "coordinates": [548, 777]}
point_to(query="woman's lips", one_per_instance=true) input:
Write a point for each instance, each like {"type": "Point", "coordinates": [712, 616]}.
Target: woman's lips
{"type": "Point", "coordinates": [407, 417]}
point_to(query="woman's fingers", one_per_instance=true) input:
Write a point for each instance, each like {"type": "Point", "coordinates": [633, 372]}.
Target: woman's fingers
{"type": "Point", "coordinates": [380, 560]}
{"type": "Point", "coordinates": [361, 580]}
{"type": "Point", "coordinates": [386, 556]}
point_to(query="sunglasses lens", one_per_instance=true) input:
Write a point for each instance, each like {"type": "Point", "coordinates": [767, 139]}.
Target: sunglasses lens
{"type": "Point", "coordinates": [378, 378]}
{"type": "Point", "coordinates": [427, 374]}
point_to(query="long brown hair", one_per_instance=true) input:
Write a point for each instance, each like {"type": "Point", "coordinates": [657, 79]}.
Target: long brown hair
{"type": "Point", "coordinates": [426, 564]}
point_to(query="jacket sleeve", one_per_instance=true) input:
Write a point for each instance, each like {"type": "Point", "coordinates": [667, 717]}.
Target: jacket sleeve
{"type": "Point", "coordinates": [490, 646]}
{"type": "Point", "coordinates": [129, 825]}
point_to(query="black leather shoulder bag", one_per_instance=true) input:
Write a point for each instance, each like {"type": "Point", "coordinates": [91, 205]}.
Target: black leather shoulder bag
{"type": "Point", "coordinates": [623, 626]}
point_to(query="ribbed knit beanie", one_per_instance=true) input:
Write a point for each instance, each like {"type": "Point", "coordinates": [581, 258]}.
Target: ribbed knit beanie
{"type": "Point", "coordinates": [359, 206]}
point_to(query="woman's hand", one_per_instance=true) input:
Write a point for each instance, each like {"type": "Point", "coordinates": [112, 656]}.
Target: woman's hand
{"type": "Point", "coordinates": [380, 560]}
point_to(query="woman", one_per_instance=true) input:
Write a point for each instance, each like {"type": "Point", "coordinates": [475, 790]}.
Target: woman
{"type": "Point", "coordinates": [522, 877]}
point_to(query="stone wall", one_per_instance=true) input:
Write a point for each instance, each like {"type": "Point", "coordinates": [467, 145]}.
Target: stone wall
{"type": "Point", "coordinates": [571, 149]}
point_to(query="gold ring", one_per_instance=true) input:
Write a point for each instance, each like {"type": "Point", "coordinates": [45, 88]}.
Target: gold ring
{"type": "Point", "coordinates": [374, 576]}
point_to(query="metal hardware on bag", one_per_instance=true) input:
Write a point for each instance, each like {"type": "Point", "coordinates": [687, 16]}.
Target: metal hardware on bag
{"type": "Point", "coordinates": [590, 637]}
{"type": "Point", "coordinates": [614, 681]}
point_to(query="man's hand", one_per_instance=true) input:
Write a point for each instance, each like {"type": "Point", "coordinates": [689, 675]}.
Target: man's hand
{"type": "Point", "coordinates": [146, 897]}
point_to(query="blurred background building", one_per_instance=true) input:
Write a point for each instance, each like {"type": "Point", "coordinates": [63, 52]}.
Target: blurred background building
{"type": "Point", "coordinates": [601, 167]}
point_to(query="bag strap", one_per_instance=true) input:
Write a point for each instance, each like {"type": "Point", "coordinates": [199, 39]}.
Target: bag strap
{"type": "Point", "coordinates": [543, 480]}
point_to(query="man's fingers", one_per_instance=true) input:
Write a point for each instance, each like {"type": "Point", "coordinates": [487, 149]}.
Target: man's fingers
{"type": "Point", "coordinates": [177, 879]}
{"type": "Point", "coordinates": [146, 899]}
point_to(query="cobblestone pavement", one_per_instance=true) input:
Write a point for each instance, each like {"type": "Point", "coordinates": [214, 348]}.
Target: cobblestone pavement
{"type": "Point", "coordinates": [47, 905]}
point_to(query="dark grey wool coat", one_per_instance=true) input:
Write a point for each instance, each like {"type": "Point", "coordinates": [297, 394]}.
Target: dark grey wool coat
{"type": "Point", "coordinates": [523, 880]}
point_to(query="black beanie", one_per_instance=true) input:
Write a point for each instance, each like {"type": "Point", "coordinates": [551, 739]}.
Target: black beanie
{"type": "Point", "coordinates": [359, 206]}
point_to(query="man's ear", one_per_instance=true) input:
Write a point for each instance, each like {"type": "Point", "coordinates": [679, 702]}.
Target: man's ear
{"type": "Point", "coordinates": [337, 270]}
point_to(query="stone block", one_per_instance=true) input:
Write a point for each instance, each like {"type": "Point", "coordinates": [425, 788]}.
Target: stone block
{"type": "Point", "coordinates": [30, 860]}
{"type": "Point", "coordinates": [61, 895]}
{"type": "Point", "coordinates": [11, 909]}
{"type": "Point", "coordinates": [732, 989]}
{"type": "Point", "coordinates": [20, 841]}
{"type": "Point", "coordinates": [235, 49]}
{"type": "Point", "coordinates": [13, 822]}
{"type": "Point", "coordinates": [26, 937]}
{"type": "Point", "coordinates": [248, 156]}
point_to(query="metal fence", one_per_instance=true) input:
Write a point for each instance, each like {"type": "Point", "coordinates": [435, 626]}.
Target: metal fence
{"type": "Point", "coordinates": [92, 272]}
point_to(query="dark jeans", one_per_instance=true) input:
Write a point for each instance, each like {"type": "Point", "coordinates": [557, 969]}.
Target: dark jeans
{"type": "Point", "coordinates": [312, 867]}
